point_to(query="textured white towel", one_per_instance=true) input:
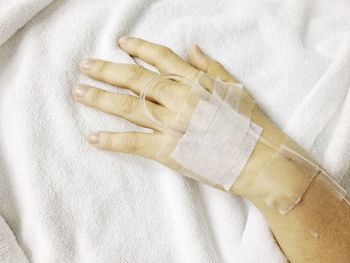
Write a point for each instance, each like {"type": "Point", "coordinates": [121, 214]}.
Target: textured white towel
{"type": "Point", "coordinates": [65, 201]}
{"type": "Point", "coordinates": [10, 251]}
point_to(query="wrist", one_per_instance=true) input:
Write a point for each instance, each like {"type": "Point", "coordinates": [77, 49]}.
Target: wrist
{"type": "Point", "coordinates": [278, 171]}
{"type": "Point", "coordinates": [262, 153]}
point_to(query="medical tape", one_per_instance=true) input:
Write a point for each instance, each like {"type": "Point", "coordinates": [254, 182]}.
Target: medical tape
{"type": "Point", "coordinates": [347, 198]}
{"type": "Point", "coordinates": [218, 137]}
{"type": "Point", "coordinates": [233, 94]}
{"type": "Point", "coordinates": [213, 137]}
{"type": "Point", "coordinates": [217, 133]}
{"type": "Point", "coordinates": [285, 177]}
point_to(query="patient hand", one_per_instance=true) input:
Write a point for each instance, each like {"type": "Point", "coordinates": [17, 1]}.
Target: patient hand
{"type": "Point", "coordinates": [163, 104]}
{"type": "Point", "coordinates": [292, 230]}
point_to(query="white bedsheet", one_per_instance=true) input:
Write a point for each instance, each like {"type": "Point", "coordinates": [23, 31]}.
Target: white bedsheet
{"type": "Point", "coordinates": [64, 201]}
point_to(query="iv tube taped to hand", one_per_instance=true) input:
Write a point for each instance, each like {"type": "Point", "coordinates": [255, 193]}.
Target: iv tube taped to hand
{"type": "Point", "coordinates": [213, 136]}
{"type": "Point", "coordinates": [210, 138]}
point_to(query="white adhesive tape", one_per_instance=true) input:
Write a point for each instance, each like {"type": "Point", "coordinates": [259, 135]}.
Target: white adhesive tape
{"type": "Point", "coordinates": [217, 143]}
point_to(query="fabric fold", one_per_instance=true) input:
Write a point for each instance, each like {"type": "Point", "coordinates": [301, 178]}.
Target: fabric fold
{"type": "Point", "coordinates": [10, 251]}
{"type": "Point", "coordinates": [16, 13]}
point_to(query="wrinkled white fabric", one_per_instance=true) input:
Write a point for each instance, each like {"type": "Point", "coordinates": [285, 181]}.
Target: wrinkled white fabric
{"type": "Point", "coordinates": [10, 251]}
{"type": "Point", "coordinates": [66, 201]}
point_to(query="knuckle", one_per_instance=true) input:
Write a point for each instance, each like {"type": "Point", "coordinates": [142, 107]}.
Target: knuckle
{"type": "Point", "coordinates": [160, 115]}
{"type": "Point", "coordinates": [172, 93]}
{"type": "Point", "coordinates": [109, 144]}
{"type": "Point", "coordinates": [96, 96]}
{"type": "Point", "coordinates": [160, 87]}
{"type": "Point", "coordinates": [163, 52]}
{"type": "Point", "coordinates": [136, 73]}
{"type": "Point", "coordinates": [132, 142]}
{"type": "Point", "coordinates": [127, 105]}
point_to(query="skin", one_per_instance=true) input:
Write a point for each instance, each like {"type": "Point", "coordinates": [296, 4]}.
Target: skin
{"type": "Point", "coordinates": [317, 229]}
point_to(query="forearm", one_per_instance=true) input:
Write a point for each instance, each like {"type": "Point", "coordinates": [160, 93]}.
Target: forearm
{"type": "Point", "coordinates": [331, 243]}
{"type": "Point", "coordinates": [317, 229]}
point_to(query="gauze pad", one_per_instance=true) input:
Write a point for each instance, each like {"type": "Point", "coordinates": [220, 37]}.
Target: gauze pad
{"type": "Point", "coordinates": [213, 137]}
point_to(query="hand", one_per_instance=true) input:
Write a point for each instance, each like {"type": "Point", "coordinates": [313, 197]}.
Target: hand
{"type": "Point", "coordinates": [135, 77]}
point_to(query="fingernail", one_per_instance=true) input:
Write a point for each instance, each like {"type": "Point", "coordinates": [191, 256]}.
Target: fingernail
{"type": "Point", "coordinates": [87, 64]}
{"type": "Point", "coordinates": [123, 39]}
{"type": "Point", "coordinates": [93, 138]}
{"type": "Point", "coordinates": [79, 91]}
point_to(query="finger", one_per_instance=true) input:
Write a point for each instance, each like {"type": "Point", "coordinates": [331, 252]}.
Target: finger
{"type": "Point", "coordinates": [202, 62]}
{"type": "Point", "coordinates": [130, 76]}
{"type": "Point", "coordinates": [163, 58]}
{"type": "Point", "coordinates": [135, 78]}
{"type": "Point", "coordinates": [143, 144]}
{"type": "Point", "coordinates": [123, 105]}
